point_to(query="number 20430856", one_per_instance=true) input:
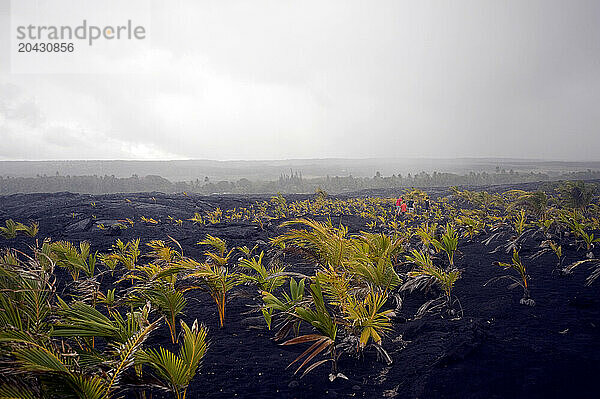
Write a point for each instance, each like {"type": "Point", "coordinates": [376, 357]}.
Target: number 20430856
{"type": "Point", "coordinates": [46, 47]}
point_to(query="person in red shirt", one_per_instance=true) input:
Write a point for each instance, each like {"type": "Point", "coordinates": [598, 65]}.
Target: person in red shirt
{"type": "Point", "coordinates": [398, 205]}
{"type": "Point", "coordinates": [403, 209]}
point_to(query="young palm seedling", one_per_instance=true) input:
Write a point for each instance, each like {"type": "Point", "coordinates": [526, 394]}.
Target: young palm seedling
{"type": "Point", "coordinates": [550, 246]}
{"type": "Point", "coordinates": [421, 259]}
{"type": "Point", "coordinates": [215, 279]}
{"type": "Point", "coordinates": [426, 274]}
{"type": "Point", "coordinates": [266, 279]}
{"type": "Point", "coordinates": [427, 233]}
{"type": "Point", "coordinates": [155, 283]}
{"type": "Point", "coordinates": [30, 230]}
{"type": "Point", "coordinates": [588, 240]}
{"type": "Point", "coordinates": [219, 254]}
{"type": "Point", "coordinates": [522, 281]}
{"type": "Point", "coordinates": [215, 216]}
{"type": "Point", "coordinates": [170, 302]}
{"type": "Point", "coordinates": [196, 219]}
{"type": "Point", "coordinates": [247, 252]}
{"type": "Point", "coordinates": [178, 370]}
{"type": "Point", "coordinates": [126, 254]}
{"type": "Point", "coordinates": [10, 229]}
{"type": "Point", "coordinates": [323, 341]}
{"type": "Point", "coordinates": [63, 359]}
{"type": "Point", "coordinates": [520, 222]}
{"type": "Point", "coordinates": [545, 224]}
{"type": "Point", "coordinates": [286, 304]}
{"type": "Point", "coordinates": [27, 289]}
{"type": "Point", "coordinates": [212, 276]}
{"type": "Point", "coordinates": [323, 243]}
{"type": "Point", "coordinates": [372, 262]}
{"type": "Point", "coordinates": [472, 226]}
{"type": "Point", "coordinates": [73, 259]}
{"type": "Point", "coordinates": [576, 195]}
{"type": "Point", "coordinates": [366, 318]}
{"type": "Point", "coordinates": [557, 249]}
{"type": "Point", "coordinates": [149, 221]}
{"type": "Point", "coordinates": [448, 243]}
{"type": "Point", "coordinates": [162, 254]}
{"type": "Point", "coordinates": [281, 207]}
{"type": "Point", "coordinates": [535, 202]}
{"type": "Point", "coordinates": [515, 237]}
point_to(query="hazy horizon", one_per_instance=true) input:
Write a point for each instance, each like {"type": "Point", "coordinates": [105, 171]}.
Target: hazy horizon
{"type": "Point", "coordinates": [533, 159]}
{"type": "Point", "coordinates": [301, 159]}
{"type": "Point", "coordinates": [256, 170]}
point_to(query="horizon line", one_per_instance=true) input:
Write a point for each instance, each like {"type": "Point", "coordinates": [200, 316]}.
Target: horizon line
{"type": "Point", "coordinates": [309, 159]}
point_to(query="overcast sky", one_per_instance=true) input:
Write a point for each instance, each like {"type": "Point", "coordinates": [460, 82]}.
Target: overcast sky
{"type": "Point", "coordinates": [314, 79]}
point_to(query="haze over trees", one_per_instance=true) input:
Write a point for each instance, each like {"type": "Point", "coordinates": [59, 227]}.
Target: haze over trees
{"type": "Point", "coordinates": [293, 182]}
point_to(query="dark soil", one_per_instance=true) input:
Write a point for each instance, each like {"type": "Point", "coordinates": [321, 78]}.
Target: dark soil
{"type": "Point", "coordinates": [499, 349]}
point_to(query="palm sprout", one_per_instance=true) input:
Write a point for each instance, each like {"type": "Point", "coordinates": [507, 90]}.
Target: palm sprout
{"type": "Point", "coordinates": [162, 253]}
{"type": "Point", "coordinates": [349, 290]}
{"type": "Point", "coordinates": [427, 233]}
{"type": "Point", "coordinates": [214, 278]}
{"type": "Point", "coordinates": [589, 240]}
{"type": "Point", "coordinates": [289, 302]}
{"type": "Point", "coordinates": [322, 243]}
{"type": "Point", "coordinates": [50, 364]}
{"type": "Point", "coordinates": [265, 279]}
{"type": "Point", "coordinates": [30, 230]}
{"type": "Point", "coordinates": [372, 260]}
{"type": "Point", "coordinates": [323, 341]}
{"type": "Point", "coordinates": [27, 289]}
{"type": "Point", "coordinates": [576, 223]}
{"type": "Point", "coordinates": [214, 216]}
{"type": "Point", "coordinates": [281, 207]}
{"type": "Point", "coordinates": [178, 370]}
{"type": "Point", "coordinates": [448, 243]}
{"type": "Point", "coordinates": [535, 202]}
{"type": "Point", "coordinates": [10, 229]}
{"type": "Point", "coordinates": [550, 246]}
{"type": "Point", "coordinates": [74, 259]}
{"type": "Point", "coordinates": [219, 255]}
{"type": "Point", "coordinates": [126, 254]}
{"type": "Point", "coordinates": [169, 301]}
{"type": "Point", "coordinates": [557, 249]}
{"type": "Point", "coordinates": [196, 219]}
{"type": "Point", "coordinates": [365, 317]}
{"type": "Point", "coordinates": [523, 280]}
{"type": "Point", "coordinates": [427, 272]}
{"type": "Point", "coordinates": [520, 222]}
{"type": "Point", "coordinates": [577, 195]}
{"type": "Point", "coordinates": [247, 252]}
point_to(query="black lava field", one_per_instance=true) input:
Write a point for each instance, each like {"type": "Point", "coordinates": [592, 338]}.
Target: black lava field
{"type": "Point", "coordinates": [492, 347]}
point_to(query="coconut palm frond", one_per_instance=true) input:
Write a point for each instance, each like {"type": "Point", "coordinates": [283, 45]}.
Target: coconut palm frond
{"type": "Point", "coordinates": [178, 370]}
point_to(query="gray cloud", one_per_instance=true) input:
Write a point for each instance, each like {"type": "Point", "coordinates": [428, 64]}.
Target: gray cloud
{"type": "Point", "coordinates": [280, 79]}
{"type": "Point", "coordinates": [15, 107]}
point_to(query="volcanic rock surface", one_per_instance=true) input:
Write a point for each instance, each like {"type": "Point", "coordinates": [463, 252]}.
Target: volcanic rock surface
{"type": "Point", "coordinates": [499, 349]}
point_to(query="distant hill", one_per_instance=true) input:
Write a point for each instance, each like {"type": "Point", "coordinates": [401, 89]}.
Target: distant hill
{"type": "Point", "coordinates": [187, 170]}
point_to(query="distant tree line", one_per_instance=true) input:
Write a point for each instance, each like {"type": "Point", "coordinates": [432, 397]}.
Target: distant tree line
{"type": "Point", "coordinates": [292, 183]}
